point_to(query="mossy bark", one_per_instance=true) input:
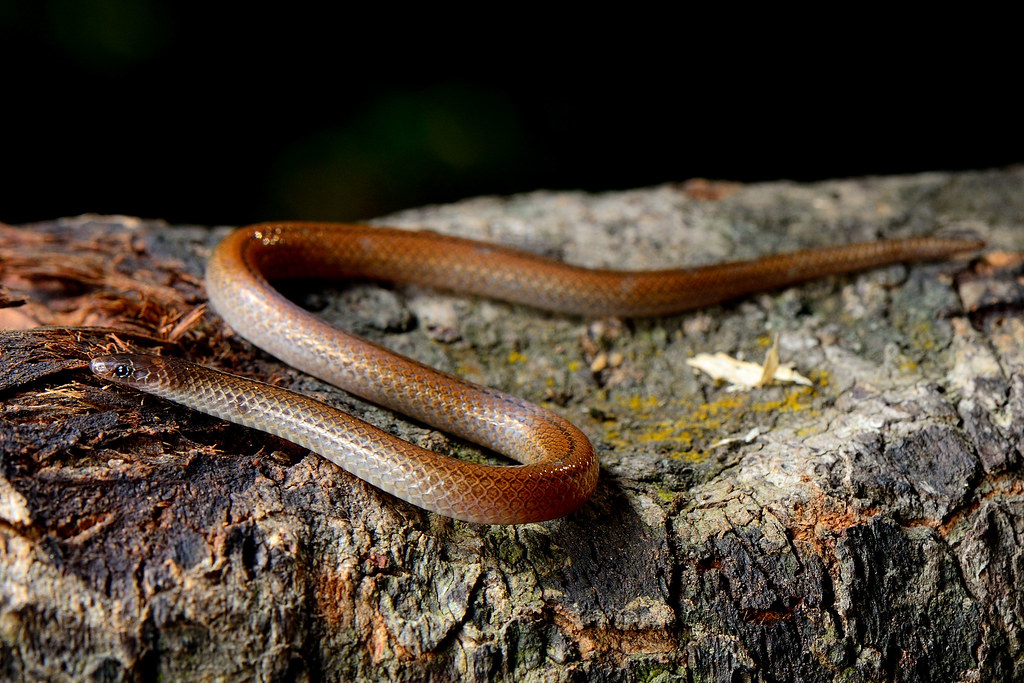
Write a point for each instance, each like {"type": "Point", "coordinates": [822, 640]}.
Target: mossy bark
{"type": "Point", "coordinates": [864, 528]}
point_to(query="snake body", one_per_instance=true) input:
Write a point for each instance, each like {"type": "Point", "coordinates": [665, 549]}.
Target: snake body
{"type": "Point", "coordinates": [558, 470]}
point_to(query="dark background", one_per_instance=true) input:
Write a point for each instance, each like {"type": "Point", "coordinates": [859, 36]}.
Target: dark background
{"type": "Point", "coordinates": [222, 113]}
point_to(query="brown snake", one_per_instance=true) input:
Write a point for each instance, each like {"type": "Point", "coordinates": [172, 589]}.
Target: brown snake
{"type": "Point", "coordinates": [559, 468]}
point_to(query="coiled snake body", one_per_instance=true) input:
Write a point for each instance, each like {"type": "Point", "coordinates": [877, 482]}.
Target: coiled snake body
{"type": "Point", "coordinates": [559, 468]}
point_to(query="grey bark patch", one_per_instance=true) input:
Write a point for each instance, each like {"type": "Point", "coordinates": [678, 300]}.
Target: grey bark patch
{"type": "Point", "coordinates": [926, 474]}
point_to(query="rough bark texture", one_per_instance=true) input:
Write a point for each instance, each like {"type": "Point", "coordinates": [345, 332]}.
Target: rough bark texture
{"type": "Point", "coordinates": [865, 528]}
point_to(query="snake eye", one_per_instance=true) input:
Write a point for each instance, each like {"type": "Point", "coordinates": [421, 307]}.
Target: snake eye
{"type": "Point", "coordinates": [123, 370]}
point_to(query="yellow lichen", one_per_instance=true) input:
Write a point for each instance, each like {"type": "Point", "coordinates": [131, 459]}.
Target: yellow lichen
{"type": "Point", "coordinates": [694, 428]}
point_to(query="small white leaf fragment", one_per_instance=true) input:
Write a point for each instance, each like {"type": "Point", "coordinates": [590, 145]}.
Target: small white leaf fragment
{"type": "Point", "coordinates": [749, 437]}
{"type": "Point", "coordinates": [742, 375]}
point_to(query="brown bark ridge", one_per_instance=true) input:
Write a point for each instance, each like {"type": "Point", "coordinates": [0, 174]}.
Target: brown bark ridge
{"type": "Point", "coordinates": [863, 528]}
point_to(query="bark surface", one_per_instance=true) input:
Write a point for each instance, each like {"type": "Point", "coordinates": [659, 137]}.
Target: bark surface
{"type": "Point", "coordinates": [863, 528]}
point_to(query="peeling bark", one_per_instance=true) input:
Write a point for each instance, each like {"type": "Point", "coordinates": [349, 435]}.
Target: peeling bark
{"type": "Point", "coordinates": [865, 528]}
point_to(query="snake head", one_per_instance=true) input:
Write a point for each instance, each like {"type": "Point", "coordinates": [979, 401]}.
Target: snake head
{"type": "Point", "coordinates": [122, 368]}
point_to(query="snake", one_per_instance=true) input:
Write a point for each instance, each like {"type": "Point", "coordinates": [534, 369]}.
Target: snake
{"type": "Point", "coordinates": [557, 467]}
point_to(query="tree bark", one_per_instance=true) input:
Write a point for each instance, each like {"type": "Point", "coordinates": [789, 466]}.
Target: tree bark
{"type": "Point", "coordinates": [863, 528]}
